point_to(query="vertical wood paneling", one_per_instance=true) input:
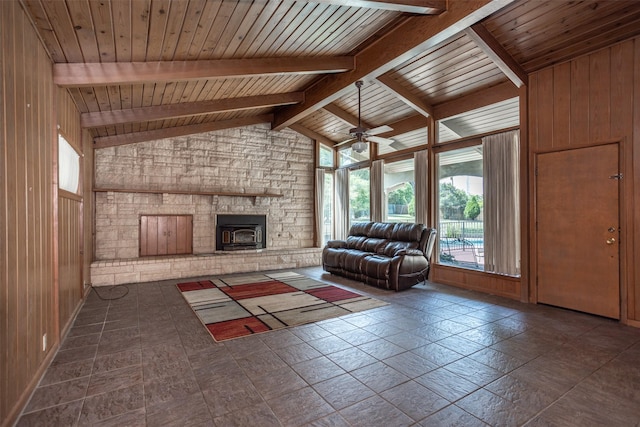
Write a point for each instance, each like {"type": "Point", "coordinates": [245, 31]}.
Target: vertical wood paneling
{"type": "Point", "coordinates": [580, 123]}
{"type": "Point", "coordinates": [603, 89]}
{"type": "Point", "coordinates": [544, 93]}
{"type": "Point", "coordinates": [562, 102]}
{"type": "Point", "coordinates": [600, 95]}
{"type": "Point", "coordinates": [634, 291]}
{"type": "Point", "coordinates": [621, 82]}
{"type": "Point", "coordinates": [27, 308]}
{"type": "Point", "coordinates": [70, 259]}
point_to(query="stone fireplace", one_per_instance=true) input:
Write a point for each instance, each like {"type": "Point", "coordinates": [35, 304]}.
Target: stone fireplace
{"type": "Point", "coordinates": [240, 232]}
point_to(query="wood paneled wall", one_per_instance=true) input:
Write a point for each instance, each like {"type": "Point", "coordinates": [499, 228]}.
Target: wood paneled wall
{"type": "Point", "coordinates": [69, 257]}
{"type": "Point", "coordinates": [590, 100]}
{"type": "Point", "coordinates": [27, 292]}
{"type": "Point", "coordinates": [39, 295]}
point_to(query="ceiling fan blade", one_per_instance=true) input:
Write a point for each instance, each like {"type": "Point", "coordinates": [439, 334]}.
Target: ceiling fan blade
{"type": "Point", "coordinates": [380, 140]}
{"type": "Point", "coordinates": [344, 142]}
{"type": "Point", "coordinates": [379, 129]}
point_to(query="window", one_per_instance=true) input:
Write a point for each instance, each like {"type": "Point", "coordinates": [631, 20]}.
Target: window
{"type": "Point", "coordinates": [68, 166]}
{"type": "Point", "coordinates": [478, 200]}
{"type": "Point", "coordinates": [359, 196]}
{"type": "Point", "coordinates": [460, 202]}
{"type": "Point", "coordinates": [327, 215]}
{"type": "Point", "coordinates": [399, 191]}
{"type": "Point", "coordinates": [326, 157]}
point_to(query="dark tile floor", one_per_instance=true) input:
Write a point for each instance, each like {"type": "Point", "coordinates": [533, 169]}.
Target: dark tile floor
{"type": "Point", "coordinates": [435, 356]}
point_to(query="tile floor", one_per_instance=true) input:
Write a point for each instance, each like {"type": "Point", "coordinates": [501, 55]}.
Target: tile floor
{"type": "Point", "coordinates": [436, 356]}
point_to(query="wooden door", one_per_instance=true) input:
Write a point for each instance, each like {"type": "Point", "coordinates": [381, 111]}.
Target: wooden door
{"type": "Point", "coordinates": [577, 213]}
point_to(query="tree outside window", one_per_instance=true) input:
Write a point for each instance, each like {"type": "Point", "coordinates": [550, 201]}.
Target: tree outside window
{"type": "Point", "coordinates": [359, 195]}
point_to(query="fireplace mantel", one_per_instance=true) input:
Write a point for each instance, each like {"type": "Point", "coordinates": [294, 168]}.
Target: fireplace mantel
{"type": "Point", "coordinates": [196, 192]}
{"type": "Point", "coordinates": [187, 192]}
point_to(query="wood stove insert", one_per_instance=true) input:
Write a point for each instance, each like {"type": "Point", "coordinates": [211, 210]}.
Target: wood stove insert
{"type": "Point", "coordinates": [240, 232]}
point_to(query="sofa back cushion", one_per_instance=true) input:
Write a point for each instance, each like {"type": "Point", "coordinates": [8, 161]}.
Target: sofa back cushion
{"type": "Point", "coordinates": [392, 247]}
{"type": "Point", "coordinates": [407, 232]}
{"type": "Point", "coordinates": [381, 230]}
{"type": "Point", "coordinates": [365, 244]}
{"type": "Point", "coordinates": [360, 228]}
{"type": "Point", "coordinates": [386, 238]}
{"type": "Point", "coordinates": [355, 242]}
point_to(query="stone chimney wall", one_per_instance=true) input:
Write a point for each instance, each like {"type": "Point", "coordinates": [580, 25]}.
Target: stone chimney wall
{"type": "Point", "coordinates": [250, 160]}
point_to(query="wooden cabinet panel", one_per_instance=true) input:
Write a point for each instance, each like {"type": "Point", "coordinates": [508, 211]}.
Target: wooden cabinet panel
{"type": "Point", "coordinates": [166, 235]}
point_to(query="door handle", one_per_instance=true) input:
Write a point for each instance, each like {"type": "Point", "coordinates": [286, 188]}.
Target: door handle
{"type": "Point", "coordinates": [611, 241]}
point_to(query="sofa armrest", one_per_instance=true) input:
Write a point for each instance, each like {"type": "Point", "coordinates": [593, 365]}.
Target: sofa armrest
{"type": "Point", "coordinates": [411, 252]}
{"type": "Point", "coordinates": [336, 244]}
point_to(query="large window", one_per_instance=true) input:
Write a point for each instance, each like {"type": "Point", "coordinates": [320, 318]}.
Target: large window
{"type": "Point", "coordinates": [399, 191]}
{"type": "Point", "coordinates": [479, 205]}
{"type": "Point", "coordinates": [359, 196]}
{"type": "Point", "coordinates": [460, 202]}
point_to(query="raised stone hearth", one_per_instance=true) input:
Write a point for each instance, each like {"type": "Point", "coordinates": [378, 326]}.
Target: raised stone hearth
{"type": "Point", "coordinates": [137, 270]}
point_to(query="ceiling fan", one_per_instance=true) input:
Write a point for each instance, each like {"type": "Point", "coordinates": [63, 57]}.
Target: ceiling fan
{"type": "Point", "coordinates": [361, 134]}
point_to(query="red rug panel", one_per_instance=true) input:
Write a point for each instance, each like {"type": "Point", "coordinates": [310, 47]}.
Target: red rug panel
{"type": "Point", "coordinates": [236, 328]}
{"type": "Point", "coordinates": [261, 289]}
{"type": "Point", "coordinates": [332, 294]}
{"type": "Point", "coordinates": [194, 286]}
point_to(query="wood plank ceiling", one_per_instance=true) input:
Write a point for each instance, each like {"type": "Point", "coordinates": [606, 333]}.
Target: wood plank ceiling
{"type": "Point", "coordinates": [138, 69]}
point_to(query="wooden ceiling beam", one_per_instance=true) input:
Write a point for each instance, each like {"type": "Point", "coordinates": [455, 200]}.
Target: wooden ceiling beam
{"type": "Point", "coordinates": [498, 54]}
{"type": "Point", "coordinates": [116, 73]}
{"type": "Point", "coordinates": [404, 95]}
{"type": "Point", "coordinates": [481, 98]}
{"type": "Point", "coordinates": [423, 7]}
{"type": "Point", "coordinates": [415, 35]}
{"type": "Point", "coordinates": [302, 130]}
{"type": "Point", "coordinates": [344, 116]}
{"type": "Point", "coordinates": [152, 135]}
{"type": "Point", "coordinates": [160, 112]}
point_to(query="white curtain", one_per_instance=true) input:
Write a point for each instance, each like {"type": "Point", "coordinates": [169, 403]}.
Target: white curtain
{"type": "Point", "coordinates": [377, 191]}
{"type": "Point", "coordinates": [502, 203]}
{"type": "Point", "coordinates": [342, 204]}
{"type": "Point", "coordinates": [319, 205]}
{"type": "Point", "coordinates": [421, 187]}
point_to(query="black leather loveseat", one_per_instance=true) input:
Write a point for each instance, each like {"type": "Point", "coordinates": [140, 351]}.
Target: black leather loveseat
{"type": "Point", "coordinates": [387, 255]}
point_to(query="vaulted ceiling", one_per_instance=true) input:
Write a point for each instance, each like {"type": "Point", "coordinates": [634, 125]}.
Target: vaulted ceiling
{"type": "Point", "coordinates": [146, 69]}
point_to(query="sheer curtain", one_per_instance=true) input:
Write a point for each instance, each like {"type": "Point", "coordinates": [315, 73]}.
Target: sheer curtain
{"type": "Point", "coordinates": [342, 204]}
{"type": "Point", "coordinates": [502, 203]}
{"type": "Point", "coordinates": [421, 174]}
{"type": "Point", "coordinates": [377, 191]}
{"type": "Point", "coordinates": [319, 205]}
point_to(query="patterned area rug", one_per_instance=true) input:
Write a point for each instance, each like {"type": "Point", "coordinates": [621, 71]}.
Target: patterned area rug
{"type": "Point", "coordinates": [236, 306]}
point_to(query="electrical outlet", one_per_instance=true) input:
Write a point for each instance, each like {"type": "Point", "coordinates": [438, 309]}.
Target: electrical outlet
{"type": "Point", "coordinates": [44, 342]}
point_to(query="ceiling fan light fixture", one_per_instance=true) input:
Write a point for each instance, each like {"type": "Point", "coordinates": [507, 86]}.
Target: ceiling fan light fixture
{"type": "Point", "coordinates": [359, 146]}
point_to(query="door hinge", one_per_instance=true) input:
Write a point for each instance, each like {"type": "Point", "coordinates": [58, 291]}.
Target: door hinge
{"type": "Point", "coordinates": [618, 176]}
